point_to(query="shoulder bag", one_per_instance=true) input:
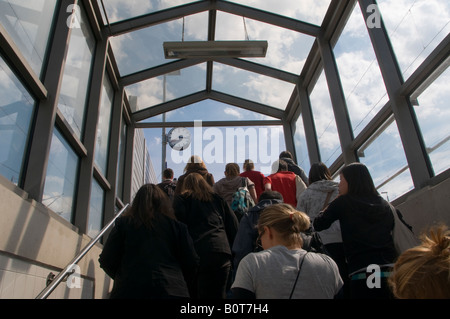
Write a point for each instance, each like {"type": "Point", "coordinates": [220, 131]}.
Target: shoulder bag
{"type": "Point", "coordinates": [402, 233]}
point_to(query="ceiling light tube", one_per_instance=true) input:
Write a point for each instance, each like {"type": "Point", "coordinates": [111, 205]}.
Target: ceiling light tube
{"type": "Point", "coordinates": [212, 49]}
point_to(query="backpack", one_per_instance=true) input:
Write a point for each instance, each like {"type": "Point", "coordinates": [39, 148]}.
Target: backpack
{"type": "Point", "coordinates": [169, 189]}
{"type": "Point", "coordinates": [241, 200]}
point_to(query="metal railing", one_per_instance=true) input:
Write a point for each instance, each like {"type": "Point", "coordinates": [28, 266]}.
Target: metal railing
{"type": "Point", "coordinates": [69, 268]}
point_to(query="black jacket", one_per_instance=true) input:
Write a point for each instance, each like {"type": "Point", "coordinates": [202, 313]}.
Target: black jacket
{"type": "Point", "coordinates": [212, 225]}
{"type": "Point", "coordinates": [149, 264]}
{"type": "Point", "coordinates": [292, 167]}
{"type": "Point", "coordinates": [247, 234]}
{"type": "Point", "coordinates": [366, 227]}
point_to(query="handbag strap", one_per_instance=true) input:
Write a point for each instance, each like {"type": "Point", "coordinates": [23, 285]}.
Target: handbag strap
{"type": "Point", "coordinates": [244, 182]}
{"type": "Point", "coordinates": [325, 204]}
{"type": "Point", "coordinates": [298, 273]}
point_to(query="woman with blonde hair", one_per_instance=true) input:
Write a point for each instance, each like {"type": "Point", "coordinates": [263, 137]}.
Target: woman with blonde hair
{"type": "Point", "coordinates": [423, 272]}
{"type": "Point", "coordinates": [283, 269]}
{"type": "Point", "coordinates": [213, 227]}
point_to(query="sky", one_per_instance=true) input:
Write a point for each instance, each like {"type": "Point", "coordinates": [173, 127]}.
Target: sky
{"type": "Point", "coordinates": [415, 28]}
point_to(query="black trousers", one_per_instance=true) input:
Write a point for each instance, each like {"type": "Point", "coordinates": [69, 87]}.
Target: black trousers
{"type": "Point", "coordinates": [336, 252]}
{"type": "Point", "coordinates": [360, 290]}
{"type": "Point", "coordinates": [213, 276]}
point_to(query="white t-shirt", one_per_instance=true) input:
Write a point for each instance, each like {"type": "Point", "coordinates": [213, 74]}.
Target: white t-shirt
{"type": "Point", "coordinates": [270, 274]}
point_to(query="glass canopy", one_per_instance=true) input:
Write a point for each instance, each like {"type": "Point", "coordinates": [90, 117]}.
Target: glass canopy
{"type": "Point", "coordinates": [265, 89]}
{"type": "Point", "coordinates": [336, 85]}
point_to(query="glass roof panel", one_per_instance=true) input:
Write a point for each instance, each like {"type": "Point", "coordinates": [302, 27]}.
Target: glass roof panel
{"type": "Point", "coordinates": [143, 49]}
{"type": "Point", "coordinates": [166, 87]}
{"type": "Point", "coordinates": [415, 29]}
{"type": "Point", "coordinates": [209, 110]}
{"type": "Point", "coordinates": [287, 49]}
{"type": "Point", "coordinates": [311, 11]}
{"type": "Point", "coordinates": [125, 9]}
{"type": "Point", "coordinates": [301, 146]}
{"type": "Point", "coordinates": [360, 73]}
{"type": "Point", "coordinates": [325, 122]}
{"type": "Point", "coordinates": [252, 86]}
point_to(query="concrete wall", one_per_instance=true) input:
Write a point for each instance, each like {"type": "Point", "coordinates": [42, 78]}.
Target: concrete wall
{"type": "Point", "coordinates": [35, 241]}
{"type": "Point", "coordinates": [428, 206]}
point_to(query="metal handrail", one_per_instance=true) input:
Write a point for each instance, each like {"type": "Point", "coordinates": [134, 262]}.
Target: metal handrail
{"type": "Point", "coordinates": [57, 280]}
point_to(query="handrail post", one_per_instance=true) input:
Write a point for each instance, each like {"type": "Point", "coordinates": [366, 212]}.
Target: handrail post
{"type": "Point", "coordinates": [55, 282]}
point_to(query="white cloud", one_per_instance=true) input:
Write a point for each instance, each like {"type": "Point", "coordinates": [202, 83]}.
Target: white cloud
{"type": "Point", "coordinates": [232, 112]}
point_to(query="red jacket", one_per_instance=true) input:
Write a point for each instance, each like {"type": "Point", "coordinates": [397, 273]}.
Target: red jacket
{"type": "Point", "coordinates": [284, 182]}
{"type": "Point", "coordinates": [257, 178]}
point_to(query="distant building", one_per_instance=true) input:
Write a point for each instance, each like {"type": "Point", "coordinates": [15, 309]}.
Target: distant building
{"type": "Point", "coordinates": [143, 171]}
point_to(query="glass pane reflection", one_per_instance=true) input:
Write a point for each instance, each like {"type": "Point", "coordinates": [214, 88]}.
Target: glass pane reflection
{"type": "Point", "coordinates": [61, 179]}
{"type": "Point", "coordinates": [104, 126]}
{"type": "Point", "coordinates": [96, 209]}
{"type": "Point", "coordinates": [29, 24]}
{"type": "Point", "coordinates": [16, 111]}
{"type": "Point", "coordinates": [77, 70]}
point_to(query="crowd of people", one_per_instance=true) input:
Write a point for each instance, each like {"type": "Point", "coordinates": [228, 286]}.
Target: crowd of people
{"type": "Point", "coordinates": [302, 237]}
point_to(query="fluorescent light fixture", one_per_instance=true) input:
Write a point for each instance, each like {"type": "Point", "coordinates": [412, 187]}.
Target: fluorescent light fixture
{"type": "Point", "coordinates": [211, 49]}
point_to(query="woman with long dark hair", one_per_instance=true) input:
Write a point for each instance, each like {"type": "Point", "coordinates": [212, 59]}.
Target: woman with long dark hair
{"type": "Point", "coordinates": [148, 253]}
{"type": "Point", "coordinates": [321, 191]}
{"type": "Point", "coordinates": [366, 221]}
{"type": "Point", "coordinates": [213, 227]}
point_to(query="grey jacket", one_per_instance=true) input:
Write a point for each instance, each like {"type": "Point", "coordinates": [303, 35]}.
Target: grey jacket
{"type": "Point", "coordinates": [312, 201]}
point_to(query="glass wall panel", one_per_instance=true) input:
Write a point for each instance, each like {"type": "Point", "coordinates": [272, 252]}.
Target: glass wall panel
{"type": "Point", "coordinates": [384, 156]}
{"type": "Point", "coordinates": [16, 112]}
{"type": "Point", "coordinates": [61, 179]}
{"type": "Point", "coordinates": [327, 134]}
{"type": "Point", "coordinates": [29, 24]}
{"type": "Point", "coordinates": [96, 209]}
{"type": "Point", "coordinates": [415, 28]}
{"type": "Point", "coordinates": [76, 78]}
{"type": "Point", "coordinates": [104, 126]}
{"type": "Point", "coordinates": [301, 148]}
{"type": "Point", "coordinates": [121, 161]}
{"type": "Point", "coordinates": [361, 79]}
{"type": "Point", "coordinates": [433, 114]}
